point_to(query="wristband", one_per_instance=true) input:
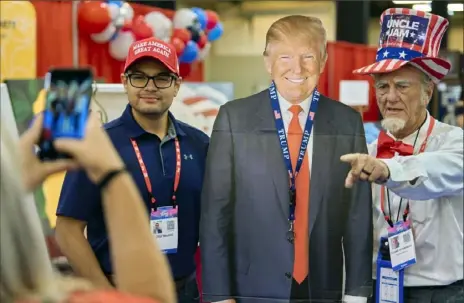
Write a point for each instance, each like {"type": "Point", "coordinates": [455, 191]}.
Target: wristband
{"type": "Point", "coordinates": [108, 177]}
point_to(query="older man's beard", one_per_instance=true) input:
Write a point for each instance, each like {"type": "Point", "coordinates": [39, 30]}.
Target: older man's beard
{"type": "Point", "coordinates": [393, 125]}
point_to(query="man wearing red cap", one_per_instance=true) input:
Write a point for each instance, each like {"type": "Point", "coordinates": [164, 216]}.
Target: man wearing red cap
{"type": "Point", "coordinates": [417, 167]}
{"type": "Point", "coordinates": [166, 159]}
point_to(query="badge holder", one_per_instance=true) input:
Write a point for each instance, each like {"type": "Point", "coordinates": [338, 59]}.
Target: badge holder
{"type": "Point", "coordinates": [401, 244]}
{"type": "Point", "coordinates": [389, 283]}
{"type": "Point", "coordinates": [164, 226]}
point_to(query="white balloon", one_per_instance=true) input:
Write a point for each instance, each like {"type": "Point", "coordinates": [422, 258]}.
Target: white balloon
{"type": "Point", "coordinates": [105, 35]}
{"type": "Point", "coordinates": [160, 24]}
{"type": "Point", "coordinates": [203, 53]}
{"type": "Point", "coordinates": [127, 11]}
{"type": "Point", "coordinates": [120, 46]}
{"type": "Point", "coordinates": [120, 14]}
{"type": "Point", "coordinates": [119, 21]}
{"type": "Point", "coordinates": [184, 18]}
{"type": "Point", "coordinates": [114, 10]}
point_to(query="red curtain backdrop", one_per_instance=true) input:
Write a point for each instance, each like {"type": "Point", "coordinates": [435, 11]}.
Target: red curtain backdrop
{"type": "Point", "coordinates": [343, 58]}
{"type": "Point", "coordinates": [54, 32]}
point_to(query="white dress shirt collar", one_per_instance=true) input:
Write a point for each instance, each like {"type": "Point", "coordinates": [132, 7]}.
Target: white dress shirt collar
{"type": "Point", "coordinates": [285, 105]}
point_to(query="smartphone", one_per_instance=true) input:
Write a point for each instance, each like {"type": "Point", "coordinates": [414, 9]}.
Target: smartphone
{"type": "Point", "coordinates": [68, 97]}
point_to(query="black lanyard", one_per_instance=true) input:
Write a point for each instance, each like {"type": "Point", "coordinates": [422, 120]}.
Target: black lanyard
{"type": "Point", "coordinates": [406, 211]}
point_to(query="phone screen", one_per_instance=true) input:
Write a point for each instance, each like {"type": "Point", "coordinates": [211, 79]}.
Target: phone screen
{"type": "Point", "coordinates": [68, 97]}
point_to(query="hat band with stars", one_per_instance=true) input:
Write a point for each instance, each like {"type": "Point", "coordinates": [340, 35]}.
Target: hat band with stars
{"type": "Point", "coordinates": [397, 53]}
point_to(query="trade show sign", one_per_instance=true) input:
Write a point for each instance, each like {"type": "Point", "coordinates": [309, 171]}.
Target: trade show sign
{"type": "Point", "coordinates": [18, 40]}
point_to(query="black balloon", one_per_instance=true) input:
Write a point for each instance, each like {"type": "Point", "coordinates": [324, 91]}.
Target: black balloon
{"type": "Point", "coordinates": [195, 32]}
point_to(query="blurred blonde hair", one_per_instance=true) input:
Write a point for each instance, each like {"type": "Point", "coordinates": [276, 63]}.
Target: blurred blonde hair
{"type": "Point", "coordinates": [306, 28]}
{"type": "Point", "coordinates": [26, 271]}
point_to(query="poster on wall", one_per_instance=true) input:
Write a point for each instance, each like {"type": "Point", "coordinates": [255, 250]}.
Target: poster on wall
{"type": "Point", "coordinates": [196, 104]}
{"type": "Point", "coordinates": [18, 40]}
{"type": "Point", "coordinates": [23, 95]}
{"type": "Point", "coordinates": [12, 115]}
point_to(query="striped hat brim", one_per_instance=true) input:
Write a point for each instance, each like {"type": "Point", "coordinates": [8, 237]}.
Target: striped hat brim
{"type": "Point", "coordinates": [435, 68]}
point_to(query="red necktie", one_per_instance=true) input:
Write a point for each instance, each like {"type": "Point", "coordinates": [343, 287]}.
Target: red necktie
{"type": "Point", "coordinates": [294, 137]}
{"type": "Point", "coordinates": [386, 147]}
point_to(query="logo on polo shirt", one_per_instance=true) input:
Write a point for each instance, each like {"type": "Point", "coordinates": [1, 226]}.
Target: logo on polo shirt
{"type": "Point", "coordinates": [188, 156]}
{"type": "Point", "coordinates": [151, 46]}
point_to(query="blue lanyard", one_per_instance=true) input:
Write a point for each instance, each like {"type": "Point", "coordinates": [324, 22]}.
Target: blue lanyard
{"type": "Point", "coordinates": [284, 143]}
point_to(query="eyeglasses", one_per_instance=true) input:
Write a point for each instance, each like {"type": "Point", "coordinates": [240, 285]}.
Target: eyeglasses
{"type": "Point", "coordinates": [160, 81]}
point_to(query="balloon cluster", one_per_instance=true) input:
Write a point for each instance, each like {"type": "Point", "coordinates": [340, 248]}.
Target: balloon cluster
{"type": "Point", "coordinates": [191, 31]}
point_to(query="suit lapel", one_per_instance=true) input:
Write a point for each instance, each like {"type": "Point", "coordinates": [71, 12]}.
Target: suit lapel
{"type": "Point", "coordinates": [324, 144]}
{"type": "Point", "coordinates": [270, 148]}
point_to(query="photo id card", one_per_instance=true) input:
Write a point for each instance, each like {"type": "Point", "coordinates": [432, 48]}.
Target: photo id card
{"type": "Point", "coordinates": [164, 227]}
{"type": "Point", "coordinates": [401, 243]}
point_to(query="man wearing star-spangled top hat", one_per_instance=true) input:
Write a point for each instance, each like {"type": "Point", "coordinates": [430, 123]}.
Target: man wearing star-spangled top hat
{"type": "Point", "coordinates": [416, 165]}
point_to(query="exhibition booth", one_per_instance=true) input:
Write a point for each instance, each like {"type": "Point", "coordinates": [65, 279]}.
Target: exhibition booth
{"type": "Point", "coordinates": [62, 34]}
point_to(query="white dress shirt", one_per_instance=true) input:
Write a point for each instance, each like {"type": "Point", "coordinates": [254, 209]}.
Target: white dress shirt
{"type": "Point", "coordinates": [436, 204]}
{"type": "Point", "coordinates": [287, 116]}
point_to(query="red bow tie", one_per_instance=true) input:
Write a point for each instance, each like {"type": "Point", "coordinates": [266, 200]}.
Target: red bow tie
{"type": "Point", "coordinates": [386, 147]}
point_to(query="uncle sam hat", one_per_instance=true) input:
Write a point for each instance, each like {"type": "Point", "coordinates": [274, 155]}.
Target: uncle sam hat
{"type": "Point", "coordinates": [410, 36]}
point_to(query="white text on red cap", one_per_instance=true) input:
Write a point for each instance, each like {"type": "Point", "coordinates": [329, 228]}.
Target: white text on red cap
{"type": "Point", "coordinates": [151, 46]}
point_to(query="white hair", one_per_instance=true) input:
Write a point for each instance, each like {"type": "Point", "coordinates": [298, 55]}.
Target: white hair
{"type": "Point", "coordinates": [25, 268]}
{"type": "Point", "coordinates": [426, 83]}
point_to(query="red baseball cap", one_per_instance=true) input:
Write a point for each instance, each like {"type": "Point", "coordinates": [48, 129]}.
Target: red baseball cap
{"type": "Point", "coordinates": [156, 49]}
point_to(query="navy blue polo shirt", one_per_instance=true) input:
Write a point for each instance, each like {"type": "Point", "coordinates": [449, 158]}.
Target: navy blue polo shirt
{"type": "Point", "coordinates": [80, 198]}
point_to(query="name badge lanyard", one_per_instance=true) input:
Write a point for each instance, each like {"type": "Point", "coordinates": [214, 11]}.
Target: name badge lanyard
{"type": "Point", "coordinates": [147, 178]}
{"type": "Point", "coordinates": [382, 190]}
{"type": "Point", "coordinates": [285, 151]}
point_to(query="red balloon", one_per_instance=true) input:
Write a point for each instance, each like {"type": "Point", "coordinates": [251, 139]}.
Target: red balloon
{"type": "Point", "coordinates": [127, 26]}
{"type": "Point", "coordinates": [183, 34]}
{"type": "Point", "coordinates": [212, 19]}
{"type": "Point", "coordinates": [140, 29]}
{"type": "Point", "coordinates": [202, 41]}
{"type": "Point", "coordinates": [185, 69]}
{"type": "Point", "coordinates": [93, 16]}
{"type": "Point", "coordinates": [178, 44]}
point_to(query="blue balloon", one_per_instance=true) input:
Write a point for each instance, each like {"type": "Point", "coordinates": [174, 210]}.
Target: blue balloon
{"type": "Point", "coordinates": [114, 36]}
{"type": "Point", "coordinates": [116, 2]}
{"type": "Point", "coordinates": [190, 53]}
{"type": "Point", "coordinates": [216, 32]}
{"type": "Point", "coordinates": [201, 16]}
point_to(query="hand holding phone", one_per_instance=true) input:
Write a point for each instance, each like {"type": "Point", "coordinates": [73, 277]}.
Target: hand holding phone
{"type": "Point", "coordinates": [94, 153]}
{"type": "Point", "coordinates": [68, 97]}
{"type": "Point", "coordinates": [34, 171]}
